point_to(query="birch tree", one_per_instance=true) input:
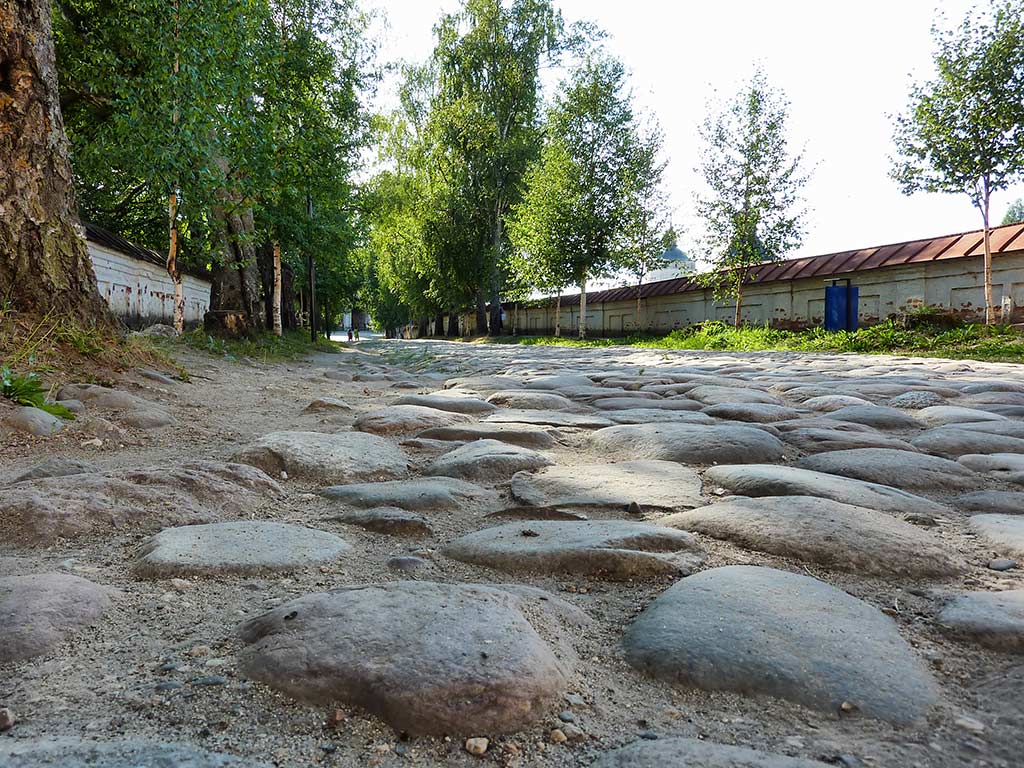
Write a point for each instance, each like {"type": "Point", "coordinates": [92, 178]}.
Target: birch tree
{"type": "Point", "coordinates": [751, 210]}
{"type": "Point", "coordinates": [963, 132]}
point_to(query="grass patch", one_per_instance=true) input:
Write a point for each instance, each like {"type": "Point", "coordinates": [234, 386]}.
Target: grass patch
{"type": "Point", "coordinates": [52, 349]}
{"type": "Point", "coordinates": [971, 341]}
{"type": "Point", "coordinates": [265, 347]}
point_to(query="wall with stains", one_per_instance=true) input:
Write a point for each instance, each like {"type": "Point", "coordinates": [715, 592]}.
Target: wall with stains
{"type": "Point", "coordinates": [141, 293]}
{"type": "Point", "coordinates": [955, 284]}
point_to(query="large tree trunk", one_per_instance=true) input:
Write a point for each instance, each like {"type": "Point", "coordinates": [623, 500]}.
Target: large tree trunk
{"type": "Point", "coordinates": [44, 263]}
{"type": "Point", "coordinates": [439, 323]}
{"type": "Point", "coordinates": [481, 312]}
{"type": "Point", "coordinates": [288, 318]}
{"type": "Point", "coordinates": [234, 300]}
{"type": "Point", "coordinates": [453, 323]}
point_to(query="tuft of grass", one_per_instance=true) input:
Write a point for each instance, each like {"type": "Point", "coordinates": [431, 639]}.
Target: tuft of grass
{"type": "Point", "coordinates": [265, 346]}
{"type": "Point", "coordinates": [27, 389]}
{"type": "Point", "coordinates": [1000, 343]}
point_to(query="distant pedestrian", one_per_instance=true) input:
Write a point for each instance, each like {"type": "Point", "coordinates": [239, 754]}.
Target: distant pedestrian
{"type": "Point", "coordinates": [350, 334]}
{"type": "Point", "coordinates": [357, 333]}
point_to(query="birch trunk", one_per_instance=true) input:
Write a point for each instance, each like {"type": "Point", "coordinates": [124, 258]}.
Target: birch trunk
{"type": "Point", "coordinates": [172, 262]}
{"type": "Point", "coordinates": [276, 311]}
{"type": "Point", "coordinates": [558, 315]}
{"type": "Point", "coordinates": [990, 308]}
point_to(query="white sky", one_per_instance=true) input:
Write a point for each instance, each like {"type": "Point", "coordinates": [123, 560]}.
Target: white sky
{"type": "Point", "coordinates": [845, 67]}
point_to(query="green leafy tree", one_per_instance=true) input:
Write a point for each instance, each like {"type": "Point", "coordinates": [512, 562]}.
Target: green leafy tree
{"type": "Point", "coordinates": [963, 132]}
{"type": "Point", "coordinates": [591, 203]}
{"type": "Point", "coordinates": [751, 210]}
{"type": "Point", "coordinates": [488, 58]}
{"type": "Point", "coordinates": [1015, 213]}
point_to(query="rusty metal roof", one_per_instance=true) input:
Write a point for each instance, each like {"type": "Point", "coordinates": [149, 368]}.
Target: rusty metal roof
{"type": "Point", "coordinates": [1003, 239]}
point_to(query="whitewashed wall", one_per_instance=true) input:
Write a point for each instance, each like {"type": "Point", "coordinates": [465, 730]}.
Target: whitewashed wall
{"type": "Point", "coordinates": [141, 293]}
{"type": "Point", "coordinates": [956, 284]}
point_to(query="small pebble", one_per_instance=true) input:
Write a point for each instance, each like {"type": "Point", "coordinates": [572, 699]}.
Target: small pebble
{"type": "Point", "coordinates": [566, 717]}
{"type": "Point", "coordinates": [924, 520]}
{"type": "Point", "coordinates": [284, 475]}
{"type": "Point", "coordinates": [558, 736]}
{"type": "Point", "coordinates": [575, 700]}
{"type": "Point", "coordinates": [180, 584]}
{"type": "Point", "coordinates": [406, 564]}
{"type": "Point", "coordinates": [169, 685]}
{"type": "Point", "coordinates": [1002, 564]}
{"type": "Point", "coordinates": [476, 745]}
{"type": "Point", "coordinates": [7, 719]}
{"type": "Point", "coordinates": [573, 732]}
{"type": "Point", "coordinates": [648, 735]}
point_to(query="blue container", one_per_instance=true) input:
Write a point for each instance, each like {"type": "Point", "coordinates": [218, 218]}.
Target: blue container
{"type": "Point", "coordinates": [841, 307]}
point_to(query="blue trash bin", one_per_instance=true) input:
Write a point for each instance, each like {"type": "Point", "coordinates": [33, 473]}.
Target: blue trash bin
{"type": "Point", "coordinates": [841, 307]}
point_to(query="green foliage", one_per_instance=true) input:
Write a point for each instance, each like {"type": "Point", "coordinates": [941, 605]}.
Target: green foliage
{"type": "Point", "coordinates": [964, 130]}
{"type": "Point", "coordinates": [1015, 213]}
{"type": "Point", "coordinates": [752, 211]}
{"type": "Point", "coordinates": [592, 202]}
{"type": "Point", "coordinates": [28, 390]}
{"type": "Point", "coordinates": [970, 341]}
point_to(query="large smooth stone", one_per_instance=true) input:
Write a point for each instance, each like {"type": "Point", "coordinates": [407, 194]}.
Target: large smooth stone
{"type": "Point", "coordinates": [771, 480]}
{"type": "Point", "coordinates": [426, 658]}
{"type": "Point", "coordinates": [822, 531]}
{"type": "Point", "coordinates": [55, 467]}
{"type": "Point", "coordinates": [525, 400]}
{"type": "Point", "coordinates": [244, 546]}
{"type": "Point", "coordinates": [993, 462]}
{"type": "Point", "coordinates": [1008, 502]}
{"type": "Point", "coordinates": [130, 409]}
{"type": "Point", "coordinates": [547, 418]}
{"type": "Point", "coordinates": [484, 383]}
{"type": "Point", "coordinates": [710, 394]}
{"type": "Point", "coordinates": [388, 520]}
{"type": "Point", "coordinates": [828, 403]}
{"type": "Point", "coordinates": [316, 455]}
{"type": "Point", "coordinates": [38, 611]}
{"type": "Point", "coordinates": [763, 631]}
{"type": "Point", "coordinates": [327, 405]}
{"type": "Point", "coordinates": [525, 435]}
{"type": "Point", "coordinates": [629, 403]}
{"type": "Point", "coordinates": [406, 419]}
{"type": "Point", "coordinates": [609, 549]}
{"type": "Point", "coordinates": [915, 400]}
{"type": "Point", "coordinates": [32, 421]}
{"type": "Point", "coordinates": [559, 381]}
{"type": "Point", "coordinates": [992, 619]}
{"type": "Point", "coordinates": [1004, 532]}
{"type": "Point", "coordinates": [659, 484]}
{"type": "Point", "coordinates": [824, 440]}
{"type": "Point", "coordinates": [877, 416]}
{"type": "Point", "coordinates": [695, 753]}
{"type": "Point", "coordinates": [73, 753]}
{"type": "Point", "coordinates": [421, 494]}
{"type": "Point", "coordinates": [760, 413]}
{"type": "Point", "coordinates": [449, 402]}
{"type": "Point", "coordinates": [909, 470]}
{"type": "Point", "coordinates": [44, 510]}
{"type": "Point", "coordinates": [940, 415]}
{"type": "Point", "coordinates": [688, 443]}
{"type": "Point", "coordinates": [488, 460]}
{"type": "Point", "coordinates": [657, 416]}
{"type": "Point", "coordinates": [954, 442]}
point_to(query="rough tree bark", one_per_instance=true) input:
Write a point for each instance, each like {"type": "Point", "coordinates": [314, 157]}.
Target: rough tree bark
{"type": "Point", "coordinates": [481, 312]}
{"type": "Point", "coordinates": [234, 299]}
{"type": "Point", "coordinates": [453, 323]}
{"type": "Point", "coordinates": [44, 262]}
{"type": "Point", "coordinates": [558, 314]}
{"type": "Point", "coordinates": [276, 299]}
